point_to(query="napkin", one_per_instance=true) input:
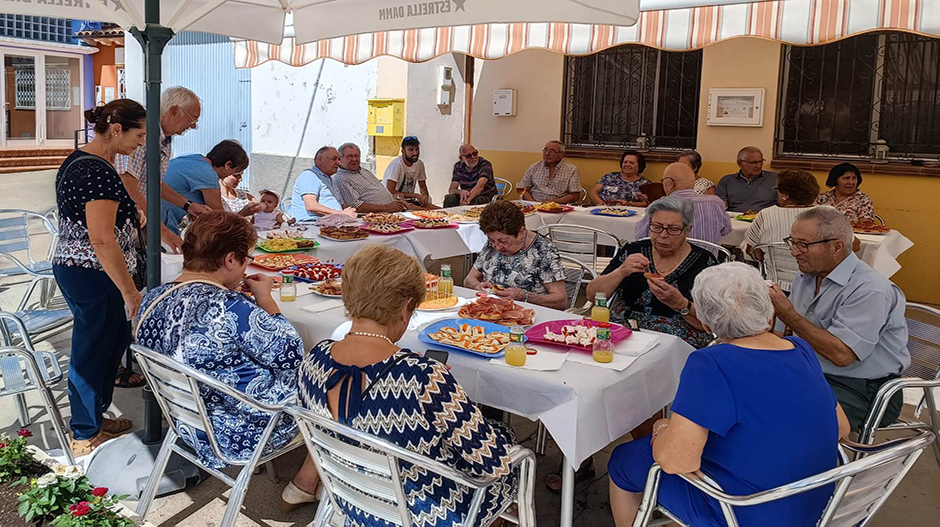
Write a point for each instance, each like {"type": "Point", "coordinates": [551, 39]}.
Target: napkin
{"type": "Point", "coordinates": [326, 305]}
{"type": "Point", "coordinates": [620, 362]}
{"type": "Point", "coordinates": [541, 361]}
{"type": "Point", "coordinates": [636, 344]}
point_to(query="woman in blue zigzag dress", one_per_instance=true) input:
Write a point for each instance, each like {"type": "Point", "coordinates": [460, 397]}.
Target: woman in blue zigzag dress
{"type": "Point", "coordinates": [414, 403]}
{"type": "Point", "coordinates": [204, 321]}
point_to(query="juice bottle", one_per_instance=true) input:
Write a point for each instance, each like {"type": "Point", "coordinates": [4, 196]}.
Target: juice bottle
{"type": "Point", "coordinates": [288, 289]}
{"type": "Point", "coordinates": [515, 351]}
{"type": "Point", "coordinates": [603, 349]}
{"type": "Point", "coordinates": [600, 312]}
{"type": "Point", "coordinates": [445, 284]}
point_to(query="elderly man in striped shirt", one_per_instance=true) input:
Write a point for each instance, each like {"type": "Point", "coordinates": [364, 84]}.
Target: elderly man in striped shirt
{"type": "Point", "coordinates": [711, 223]}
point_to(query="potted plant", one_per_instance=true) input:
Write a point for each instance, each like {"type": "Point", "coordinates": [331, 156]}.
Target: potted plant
{"type": "Point", "coordinates": [18, 465]}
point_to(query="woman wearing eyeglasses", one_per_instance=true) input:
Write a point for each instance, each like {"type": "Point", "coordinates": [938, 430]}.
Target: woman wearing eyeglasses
{"type": "Point", "coordinates": [652, 278]}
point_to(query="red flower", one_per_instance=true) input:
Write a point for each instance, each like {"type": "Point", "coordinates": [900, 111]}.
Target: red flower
{"type": "Point", "coordinates": [2, 445]}
{"type": "Point", "coordinates": [24, 433]}
{"type": "Point", "coordinates": [99, 492]}
{"type": "Point", "coordinates": [80, 509]}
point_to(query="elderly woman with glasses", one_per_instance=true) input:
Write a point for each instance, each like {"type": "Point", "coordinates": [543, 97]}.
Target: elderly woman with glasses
{"type": "Point", "coordinates": [737, 417]}
{"type": "Point", "coordinates": [203, 320]}
{"type": "Point", "coordinates": [653, 278]}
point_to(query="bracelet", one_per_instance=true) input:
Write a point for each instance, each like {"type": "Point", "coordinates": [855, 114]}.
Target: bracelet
{"type": "Point", "coordinates": [659, 428]}
{"type": "Point", "coordinates": [526, 297]}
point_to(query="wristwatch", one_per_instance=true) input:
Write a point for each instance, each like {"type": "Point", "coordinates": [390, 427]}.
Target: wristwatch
{"type": "Point", "coordinates": [686, 310]}
{"type": "Point", "coordinates": [186, 206]}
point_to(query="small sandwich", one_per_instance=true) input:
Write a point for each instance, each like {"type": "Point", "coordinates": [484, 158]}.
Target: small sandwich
{"type": "Point", "coordinates": [652, 276]}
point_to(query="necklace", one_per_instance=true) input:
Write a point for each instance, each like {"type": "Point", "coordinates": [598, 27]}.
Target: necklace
{"type": "Point", "coordinates": [372, 335]}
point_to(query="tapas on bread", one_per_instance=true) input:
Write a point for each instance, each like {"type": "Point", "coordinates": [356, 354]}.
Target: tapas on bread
{"type": "Point", "coordinates": [332, 287]}
{"type": "Point", "coordinates": [499, 310]}
{"type": "Point", "coordinates": [618, 212]}
{"type": "Point", "coordinates": [472, 338]}
{"type": "Point", "coordinates": [386, 228]}
{"type": "Point", "coordinates": [429, 223]}
{"type": "Point", "coordinates": [276, 262]}
{"type": "Point", "coordinates": [382, 217]}
{"type": "Point", "coordinates": [869, 226]}
{"type": "Point", "coordinates": [346, 233]}
{"type": "Point", "coordinates": [431, 214]}
{"type": "Point", "coordinates": [652, 275]}
{"type": "Point", "coordinates": [526, 208]}
{"type": "Point", "coordinates": [551, 206]}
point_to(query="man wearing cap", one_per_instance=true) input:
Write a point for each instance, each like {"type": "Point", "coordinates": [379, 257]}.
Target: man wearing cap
{"type": "Point", "coordinates": [406, 171]}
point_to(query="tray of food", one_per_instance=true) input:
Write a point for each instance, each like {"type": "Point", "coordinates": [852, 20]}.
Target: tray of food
{"type": "Point", "coordinates": [747, 216]}
{"type": "Point", "coordinates": [387, 228]}
{"type": "Point", "coordinates": [276, 262]}
{"type": "Point", "coordinates": [474, 336]}
{"type": "Point", "coordinates": [347, 233]}
{"type": "Point", "coordinates": [449, 303]}
{"type": "Point", "coordinates": [551, 206]}
{"type": "Point", "coordinates": [579, 334]}
{"type": "Point", "coordinates": [468, 215]}
{"type": "Point", "coordinates": [869, 226]}
{"type": "Point", "coordinates": [431, 214]}
{"type": "Point", "coordinates": [332, 288]}
{"type": "Point", "coordinates": [287, 245]}
{"type": "Point", "coordinates": [429, 223]}
{"type": "Point", "coordinates": [315, 272]}
{"type": "Point", "coordinates": [617, 212]}
{"type": "Point", "coordinates": [498, 310]}
{"type": "Point", "coordinates": [383, 217]}
{"type": "Point", "coordinates": [526, 208]}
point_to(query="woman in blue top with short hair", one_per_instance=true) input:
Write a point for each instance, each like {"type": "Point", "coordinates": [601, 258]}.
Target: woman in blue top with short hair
{"type": "Point", "coordinates": [753, 412]}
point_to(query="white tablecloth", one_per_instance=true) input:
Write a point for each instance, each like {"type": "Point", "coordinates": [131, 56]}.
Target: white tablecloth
{"type": "Point", "coordinates": [584, 407]}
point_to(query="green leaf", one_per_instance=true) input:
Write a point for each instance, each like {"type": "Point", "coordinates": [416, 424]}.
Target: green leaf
{"type": "Point", "coordinates": [23, 508]}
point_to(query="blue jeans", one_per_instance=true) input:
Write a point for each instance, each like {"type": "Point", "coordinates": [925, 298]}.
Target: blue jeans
{"type": "Point", "coordinates": [100, 336]}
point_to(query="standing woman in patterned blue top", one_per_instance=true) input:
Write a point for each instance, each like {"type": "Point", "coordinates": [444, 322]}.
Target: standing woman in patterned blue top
{"type": "Point", "coordinates": [203, 320]}
{"type": "Point", "coordinates": [96, 264]}
{"type": "Point", "coordinates": [414, 403]}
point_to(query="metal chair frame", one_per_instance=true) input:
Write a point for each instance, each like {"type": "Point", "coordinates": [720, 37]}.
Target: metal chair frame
{"type": "Point", "coordinates": [861, 486]}
{"type": "Point", "coordinates": [768, 266]}
{"type": "Point", "coordinates": [378, 489]}
{"type": "Point", "coordinates": [584, 251]}
{"type": "Point", "coordinates": [923, 374]}
{"type": "Point", "coordinates": [879, 219]}
{"type": "Point", "coordinates": [21, 372]}
{"type": "Point", "coordinates": [176, 388]}
{"type": "Point", "coordinates": [284, 205]}
{"type": "Point", "coordinates": [582, 196]}
{"type": "Point", "coordinates": [507, 186]}
{"type": "Point", "coordinates": [576, 265]}
{"type": "Point", "coordinates": [15, 238]}
{"type": "Point", "coordinates": [728, 257]}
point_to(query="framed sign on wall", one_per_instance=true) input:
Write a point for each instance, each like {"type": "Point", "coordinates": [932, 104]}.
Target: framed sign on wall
{"type": "Point", "coordinates": [736, 107]}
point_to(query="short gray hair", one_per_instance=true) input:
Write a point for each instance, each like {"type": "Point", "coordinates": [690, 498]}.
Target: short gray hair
{"type": "Point", "coordinates": [742, 153]}
{"type": "Point", "coordinates": [733, 300]}
{"type": "Point", "coordinates": [673, 204]}
{"type": "Point", "coordinates": [182, 98]}
{"type": "Point", "coordinates": [561, 146]}
{"type": "Point", "coordinates": [342, 148]}
{"type": "Point", "coordinates": [830, 224]}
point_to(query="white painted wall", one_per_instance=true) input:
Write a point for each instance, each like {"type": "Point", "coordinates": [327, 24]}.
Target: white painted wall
{"type": "Point", "coordinates": [441, 130]}
{"type": "Point", "coordinates": [295, 111]}
{"type": "Point", "coordinates": [134, 68]}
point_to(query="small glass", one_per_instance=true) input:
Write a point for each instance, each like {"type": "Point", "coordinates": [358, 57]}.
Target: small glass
{"type": "Point", "coordinates": [603, 349]}
{"type": "Point", "coordinates": [288, 290]}
{"type": "Point", "coordinates": [515, 351]}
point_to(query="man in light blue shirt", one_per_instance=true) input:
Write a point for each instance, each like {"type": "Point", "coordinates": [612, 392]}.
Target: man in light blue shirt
{"type": "Point", "coordinates": [197, 177]}
{"type": "Point", "coordinates": [314, 194]}
{"type": "Point", "coordinates": [851, 315]}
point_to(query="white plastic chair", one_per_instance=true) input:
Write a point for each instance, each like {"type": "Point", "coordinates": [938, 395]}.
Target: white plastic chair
{"type": "Point", "coordinates": [923, 343]}
{"type": "Point", "coordinates": [23, 370]}
{"type": "Point", "coordinates": [364, 471]}
{"type": "Point", "coordinates": [176, 388]}
{"type": "Point", "coordinates": [778, 265]}
{"type": "Point", "coordinates": [861, 486]}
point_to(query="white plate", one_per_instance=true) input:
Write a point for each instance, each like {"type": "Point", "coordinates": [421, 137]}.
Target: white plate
{"type": "Point", "coordinates": [335, 240]}
{"type": "Point", "coordinates": [314, 291]}
{"type": "Point", "coordinates": [460, 302]}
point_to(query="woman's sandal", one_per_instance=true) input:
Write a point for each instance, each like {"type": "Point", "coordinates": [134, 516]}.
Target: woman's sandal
{"type": "Point", "coordinates": [83, 447]}
{"type": "Point", "coordinates": [116, 427]}
{"type": "Point", "coordinates": [585, 472]}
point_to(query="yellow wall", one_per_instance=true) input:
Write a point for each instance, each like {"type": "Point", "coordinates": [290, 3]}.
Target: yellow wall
{"type": "Point", "coordinates": [907, 203]}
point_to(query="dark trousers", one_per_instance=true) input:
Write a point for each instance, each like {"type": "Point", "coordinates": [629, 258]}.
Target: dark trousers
{"type": "Point", "coordinates": [453, 200]}
{"type": "Point", "coordinates": [100, 336]}
{"type": "Point", "coordinates": [857, 395]}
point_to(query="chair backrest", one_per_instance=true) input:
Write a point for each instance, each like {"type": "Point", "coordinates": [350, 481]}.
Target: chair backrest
{"type": "Point", "coordinates": [923, 343]}
{"type": "Point", "coordinates": [653, 191]}
{"type": "Point", "coordinates": [363, 470]}
{"type": "Point", "coordinates": [582, 196]}
{"type": "Point", "coordinates": [778, 265]}
{"type": "Point", "coordinates": [576, 274]}
{"type": "Point", "coordinates": [176, 388]}
{"type": "Point", "coordinates": [723, 255]}
{"type": "Point", "coordinates": [503, 186]}
{"type": "Point", "coordinates": [578, 241]}
{"type": "Point", "coordinates": [14, 237]}
{"type": "Point", "coordinates": [285, 205]}
{"type": "Point", "coordinates": [879, 219]}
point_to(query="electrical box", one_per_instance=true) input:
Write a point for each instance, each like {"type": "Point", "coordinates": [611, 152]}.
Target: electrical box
{"type": "Point", "coordinates": [504, 103]}
{"type": "Point", "coordinates": [444, 85]}
{"type": "Point", "coordinates": [386, 117]}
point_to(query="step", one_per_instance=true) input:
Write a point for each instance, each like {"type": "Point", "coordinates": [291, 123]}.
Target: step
{"type": "Point", "coordinates": [31, 161]}
{"type": "Point", "coordinates": [14, 170]}
{"type": "Point", "coordinates": [34, 152]}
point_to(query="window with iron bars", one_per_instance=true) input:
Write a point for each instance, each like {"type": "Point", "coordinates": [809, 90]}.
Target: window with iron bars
{"type": "Point", "coordinates": [615, 96]}
{"type": "Point", "coordinates": [842, 99]}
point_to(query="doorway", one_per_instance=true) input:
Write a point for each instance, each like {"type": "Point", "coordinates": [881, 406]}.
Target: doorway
{"type": "Point", "coordinates": [41, 96]}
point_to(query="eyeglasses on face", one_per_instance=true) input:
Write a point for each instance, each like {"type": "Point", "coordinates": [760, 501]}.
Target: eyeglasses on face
{"type": "Point", "coordinates": [803, 246]}
{"type": "Point", "coordinates": [550, 151]}
{"type": "Point", "coordinates": [471, 155]}
{"type": "Point", "coordinates": [753, 163]}
{"type": "Point", "coordinates": [671, 230]}
{"type": "Point", "coordinates": [192, 121]}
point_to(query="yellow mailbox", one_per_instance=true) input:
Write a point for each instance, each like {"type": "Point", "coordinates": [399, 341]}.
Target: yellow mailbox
{"type": "Point", "coordinates": [386, 117]}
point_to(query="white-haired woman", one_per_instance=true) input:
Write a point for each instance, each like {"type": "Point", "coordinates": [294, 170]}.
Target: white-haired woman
{"type": "Point", "coordinates": [753, 412]}
{"type": "Point", "coordinates": [653, 278]}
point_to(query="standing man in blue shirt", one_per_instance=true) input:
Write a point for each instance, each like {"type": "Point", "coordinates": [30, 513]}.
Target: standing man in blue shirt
{"type": "Point", "coordinates": [314, 194]}
{"type": "Point", "coordinates": [851, 315]}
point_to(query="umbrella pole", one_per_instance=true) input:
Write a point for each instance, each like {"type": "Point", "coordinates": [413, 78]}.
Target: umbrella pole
{"type": "Point", "coordinates": [153, 39]}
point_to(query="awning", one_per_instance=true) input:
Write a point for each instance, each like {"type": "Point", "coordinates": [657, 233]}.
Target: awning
{"type": "Point", "coordinates": [801, 22]}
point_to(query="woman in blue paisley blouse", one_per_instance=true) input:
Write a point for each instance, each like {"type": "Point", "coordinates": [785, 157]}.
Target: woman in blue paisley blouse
{"type": "Point", "coordinates": [203, 320]}
{"type": "Point", "coordinates": [517, 263]}
{"type": "Point", "coordinates": [401, 397]}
